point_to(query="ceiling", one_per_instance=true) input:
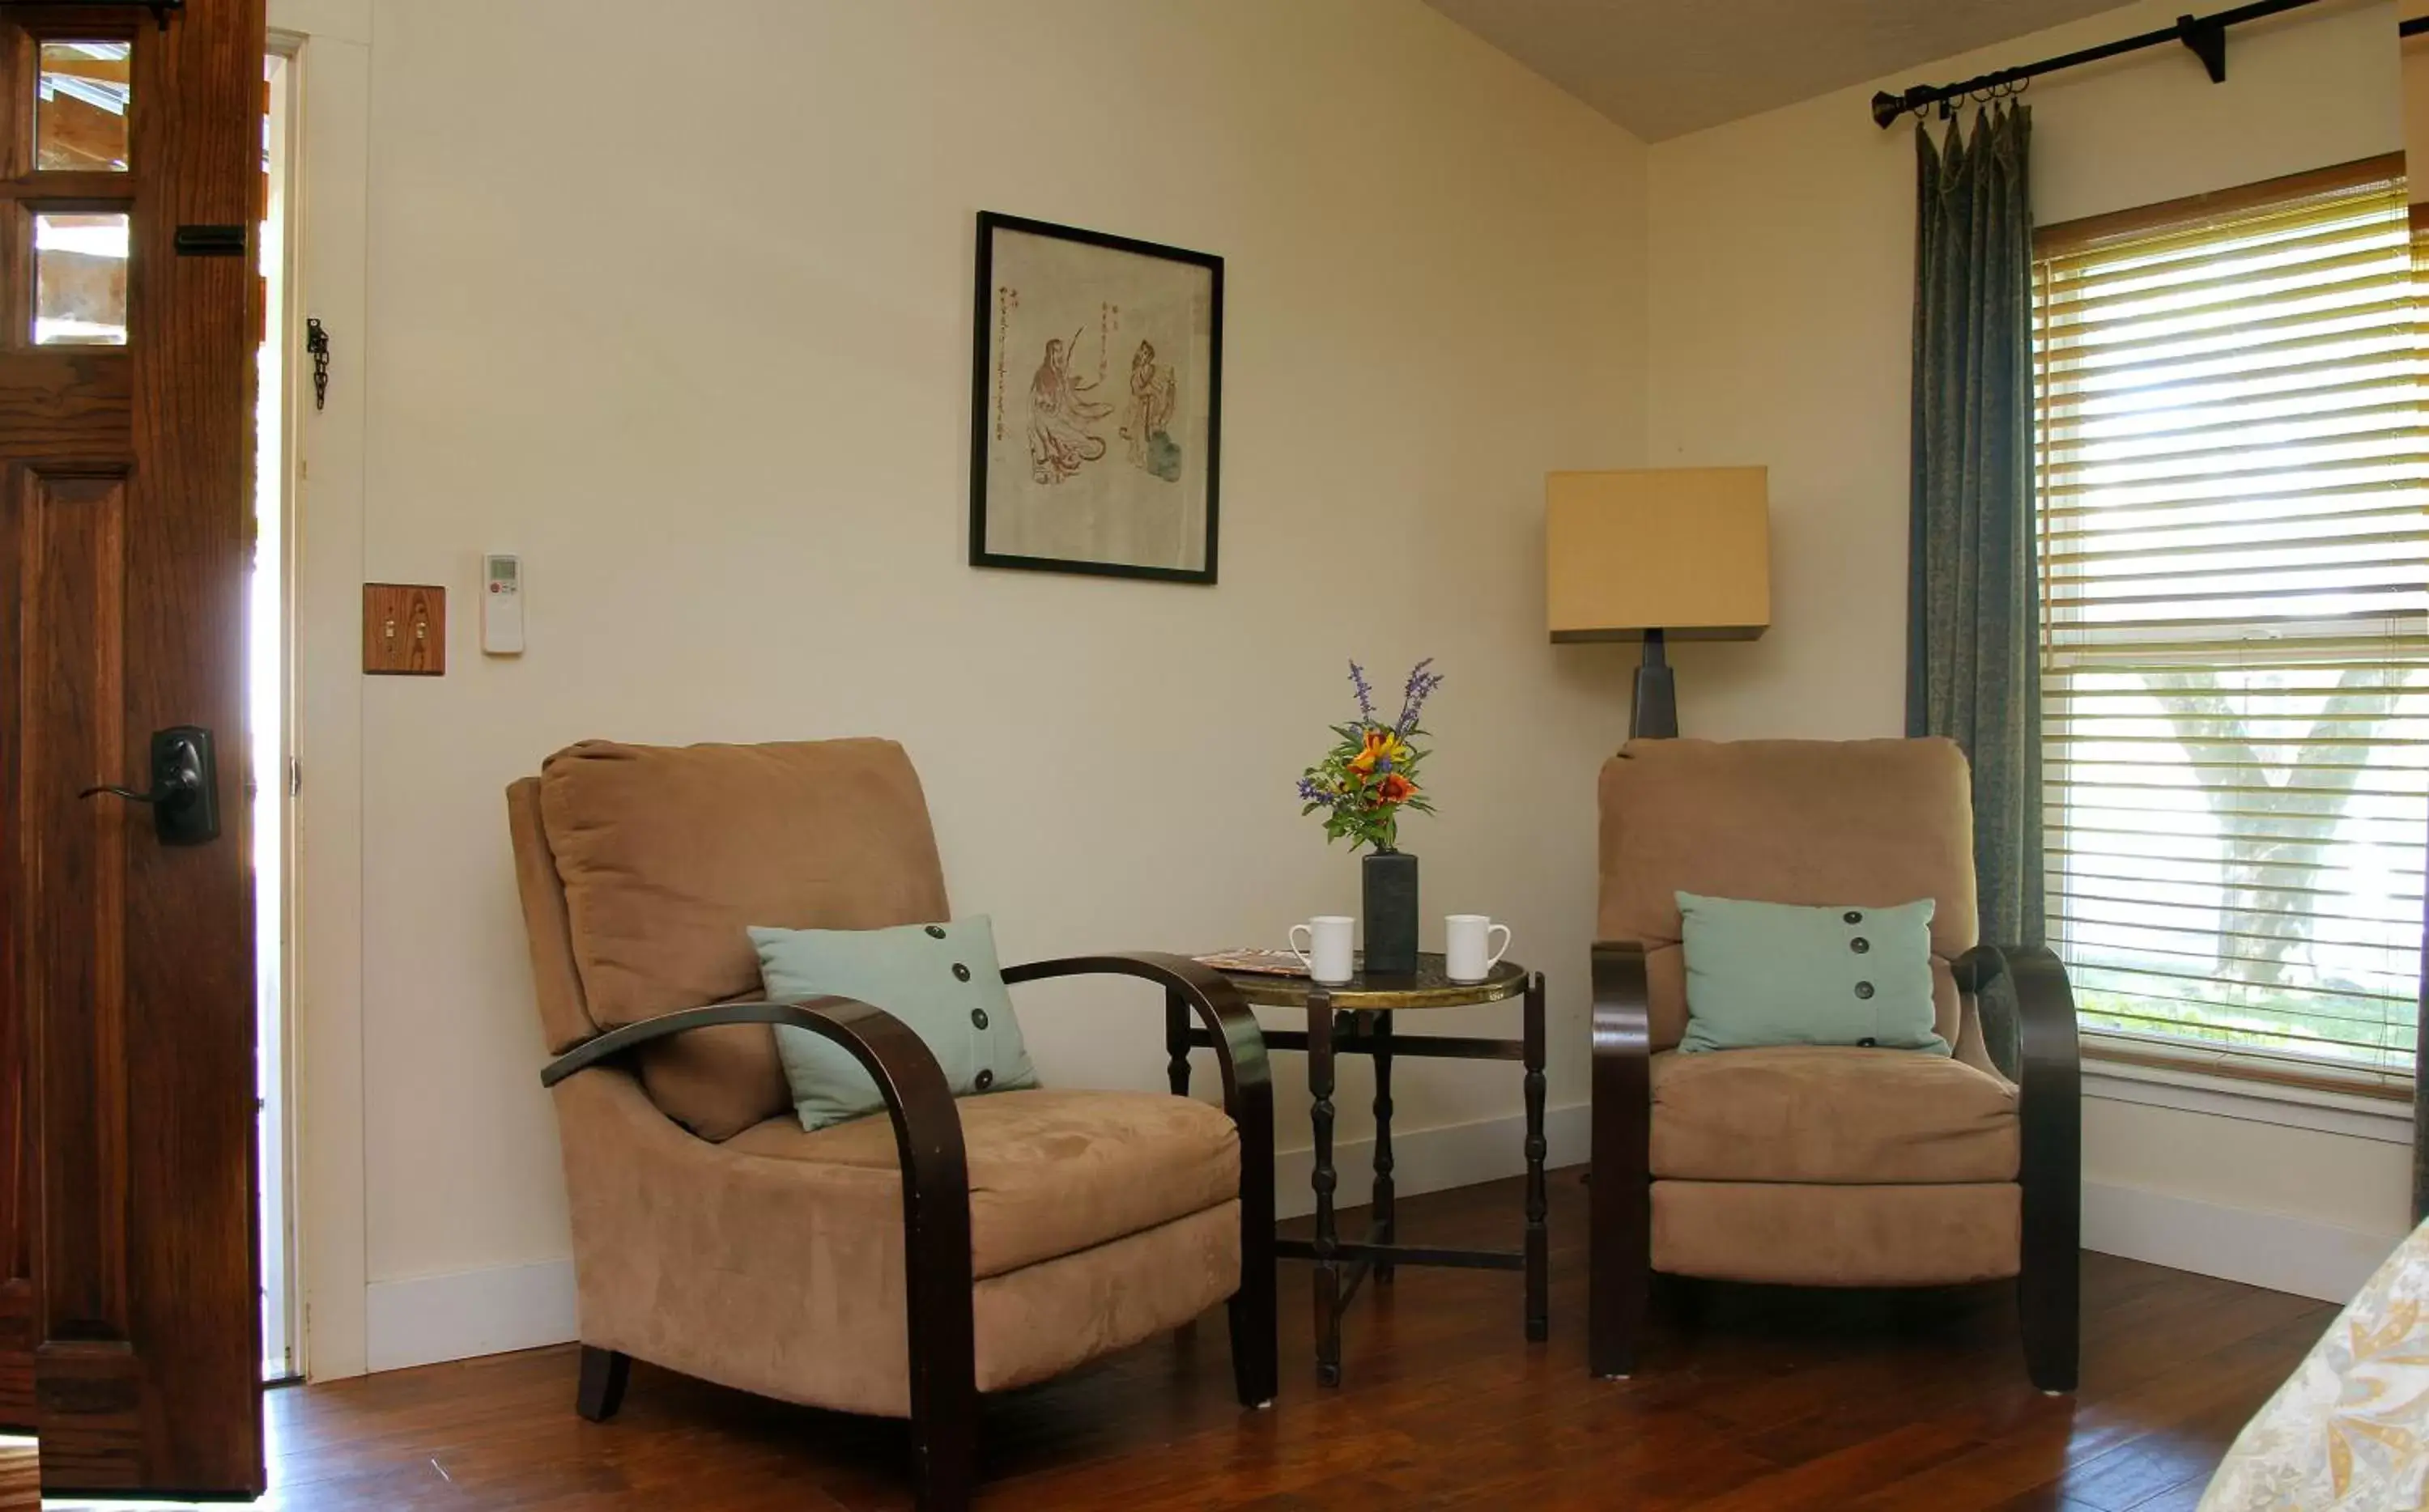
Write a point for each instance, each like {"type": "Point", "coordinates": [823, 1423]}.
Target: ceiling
{"type": "Point", "coordinates": [1663, 68]}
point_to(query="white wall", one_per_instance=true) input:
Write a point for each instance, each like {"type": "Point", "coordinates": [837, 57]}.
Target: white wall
{"type": "Point", "coordinates": [681, 314]}
{"type": "Point", "coordinates": [1782, 265]}
{"type": "Point", "coordinates": [682, 318]}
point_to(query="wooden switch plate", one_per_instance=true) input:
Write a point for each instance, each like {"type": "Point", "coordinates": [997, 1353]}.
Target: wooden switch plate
{"type": "Point", "coordinates": [405, 630]}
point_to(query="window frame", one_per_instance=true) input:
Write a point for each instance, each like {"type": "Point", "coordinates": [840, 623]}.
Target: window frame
{"type": "Point", "coordinates": [2295, 1077]}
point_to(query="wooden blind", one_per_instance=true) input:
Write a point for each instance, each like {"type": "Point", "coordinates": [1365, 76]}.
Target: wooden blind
{"type": "Point", "coordinates": [2234, 481]}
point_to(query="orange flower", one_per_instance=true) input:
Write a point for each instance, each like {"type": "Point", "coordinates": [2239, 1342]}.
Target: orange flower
{"type": "Point", "coordinates": [1381, 745]}
{"type": "Point", "coordinates": [1396, 789]}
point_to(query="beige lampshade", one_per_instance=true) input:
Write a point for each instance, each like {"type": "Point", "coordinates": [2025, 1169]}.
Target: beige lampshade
{"type": "Point", "coordinates": [1685, 551]}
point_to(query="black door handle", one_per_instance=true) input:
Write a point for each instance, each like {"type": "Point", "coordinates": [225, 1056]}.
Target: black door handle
{"type": "Point", "coordinates": [184, 798]}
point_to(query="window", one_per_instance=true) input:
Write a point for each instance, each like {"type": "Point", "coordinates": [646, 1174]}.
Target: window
{"type": "Point", "coordinates": [2234, 476]}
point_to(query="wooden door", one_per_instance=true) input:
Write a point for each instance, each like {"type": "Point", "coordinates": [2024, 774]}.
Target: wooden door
{"type": "Point", "coordinates": [129, 310]}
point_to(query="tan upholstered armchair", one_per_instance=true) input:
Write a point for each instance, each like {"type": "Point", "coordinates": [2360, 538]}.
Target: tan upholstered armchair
{"type": "Point", "coordinates": [897, 1267]}
{"type": "Point", "coordinates": [1820, 1166]}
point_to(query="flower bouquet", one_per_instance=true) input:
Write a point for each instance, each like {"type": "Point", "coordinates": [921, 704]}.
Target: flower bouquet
{"type": "Point", "coordinates": [1360, 787]}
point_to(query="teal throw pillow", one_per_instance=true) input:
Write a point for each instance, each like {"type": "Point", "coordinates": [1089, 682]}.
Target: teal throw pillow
{"type": "Point", "coordinates": [939, 978]}
{"type": "Point", "coordinates": [1763, 974]}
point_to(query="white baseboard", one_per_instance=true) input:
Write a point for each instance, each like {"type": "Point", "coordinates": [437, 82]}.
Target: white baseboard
{"type": "Point", "coordinates": [432, 1318]}
{"type": "Point", "coordinates": [424, 1320]}
{"type": "Point", "coordinates": [1434, 1159]}
{"type": "Point", "coordinates": [2263, 1249]}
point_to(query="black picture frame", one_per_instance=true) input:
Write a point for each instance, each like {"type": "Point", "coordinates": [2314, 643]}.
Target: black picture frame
{"type": "Point", "coordinates": [983, 387]}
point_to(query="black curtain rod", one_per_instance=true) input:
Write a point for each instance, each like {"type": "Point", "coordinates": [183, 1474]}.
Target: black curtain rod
{"type": "Point", "coordinates": [2205, 35]}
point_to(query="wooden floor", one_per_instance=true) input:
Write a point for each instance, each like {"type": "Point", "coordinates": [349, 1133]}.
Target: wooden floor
{"type": "Point", "coordinates": [1750, 1399]}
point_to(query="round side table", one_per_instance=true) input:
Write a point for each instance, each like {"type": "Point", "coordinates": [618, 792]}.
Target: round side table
{"type": "Point", "coordinates": [1355, 1018]}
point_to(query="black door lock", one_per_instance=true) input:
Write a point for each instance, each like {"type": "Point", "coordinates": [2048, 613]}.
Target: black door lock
{"type": "Point", "coordinates": [184, 795]}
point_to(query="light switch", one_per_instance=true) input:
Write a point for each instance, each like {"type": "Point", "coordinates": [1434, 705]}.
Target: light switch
{"type": "Point", "coordinates": [405, 630]}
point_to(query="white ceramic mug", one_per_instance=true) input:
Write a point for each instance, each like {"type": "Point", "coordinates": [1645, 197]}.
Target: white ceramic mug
{"type": "Point", "coordinates": [1327, 953]}
{"type": "Point", "coordinates": [1468, 955]}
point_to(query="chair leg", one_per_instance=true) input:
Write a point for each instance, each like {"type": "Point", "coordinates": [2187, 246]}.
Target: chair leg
{"type": "Point", "coordinates": [1619, 1268]}
{"type": "Point", "coordinates": [1256, 1349]}
{"type": "Point", "coordinates": [1620, 1209]}
{"type": "Point", "coordinates": [944, 1448]}
{"type": "Point", "coordinates": [2050, 1113]}
{"type": "Point", "coordinates": [1619, 1287]}
{"type": "Point", "coordinates": [602, 1389]}
{"type": "Point", "coordinates": [1256, 1329]}
{"type": "Point", "coordinates": [2050, 1310]}
{"type": "Point", "coordinates": [1620, 1218]}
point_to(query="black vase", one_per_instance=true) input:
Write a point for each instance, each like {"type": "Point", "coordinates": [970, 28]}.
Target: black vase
{"type": "Point", "coordinates": [1391, 914]}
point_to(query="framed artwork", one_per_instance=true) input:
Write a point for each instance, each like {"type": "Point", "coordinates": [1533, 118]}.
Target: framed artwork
{"type": "Point", "coordinates": [1097, 407]}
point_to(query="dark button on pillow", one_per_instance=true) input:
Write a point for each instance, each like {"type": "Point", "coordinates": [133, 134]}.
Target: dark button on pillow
{"type": "Point", "coordinates": [1863, 989]}
{"type": "Point", "coordinates": [986, 1080]}
{"type": "Point", "coordinates": [935, 931]}
{"type": "Point", "coordinates": [978, 1017]}
{"type": "Point", "coordinates": [961, 973]}
{"type": "Point", "coordinates": [1859, 945]}
{"type": "Point", "coordinates": [1852, 917]}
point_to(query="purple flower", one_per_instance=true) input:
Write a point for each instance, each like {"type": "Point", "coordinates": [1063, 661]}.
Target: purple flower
{"type": "Point", "coordinates": [1421, 686]}
{"type": "Point", "coordinates": [1311, 792]}
{"type": "Point", "coordinates": [1365, 693]}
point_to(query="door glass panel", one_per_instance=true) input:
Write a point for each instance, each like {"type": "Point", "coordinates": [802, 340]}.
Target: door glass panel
{"type": "Point", "coordinates": [80, 97]}
{"type": "Point", "coordinates": [80, 278]}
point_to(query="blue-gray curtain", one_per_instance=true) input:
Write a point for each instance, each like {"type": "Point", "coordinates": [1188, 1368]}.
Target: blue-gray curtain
{"type": "Point", "coordinates": [1972, 602]}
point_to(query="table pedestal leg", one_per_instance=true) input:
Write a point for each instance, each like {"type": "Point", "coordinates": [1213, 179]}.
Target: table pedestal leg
{"type": "Point", "coordinates": [1539, 1310]}
{"type": "Point", "coordinates": [1386, 1217]}
{"type": "Point", "coordinates": [1327, 1268]}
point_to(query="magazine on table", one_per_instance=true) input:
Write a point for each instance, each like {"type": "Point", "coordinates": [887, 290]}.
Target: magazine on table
{"type": "Point", "coordinates": [1257, 963]}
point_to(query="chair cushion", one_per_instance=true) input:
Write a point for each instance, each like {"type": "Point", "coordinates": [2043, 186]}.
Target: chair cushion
{"type": "Point", "coordinates": [1042, 1319]}
{"type": "Point", "coordinates": [1863, 823]}
{"type": "Point", "coordinates": [1051, 1172]}
{"type": "Point", "coordinates": [668, 854]}
{"type": "Point", "coordinates": [1789, 1235]}
{"type": "Point", "coordinates": [1830, 1114]}
{"type": "Point", "coordinates": [785, 1277]}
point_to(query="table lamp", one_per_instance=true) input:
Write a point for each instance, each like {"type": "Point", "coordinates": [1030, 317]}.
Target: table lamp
{"type": "Point", "coordinates": [1657, 552]}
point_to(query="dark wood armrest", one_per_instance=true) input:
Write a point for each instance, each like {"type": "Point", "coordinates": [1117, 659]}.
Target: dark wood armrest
{"type": "Point", "coordinates": [2050, 1111]}
{"type": "Point", "coordinates": [1239, 1043]}
{"type": "Point", "coordinates": [1622, 1133]}
{"type": "Point", "coordinates": [1623, 1057]}
{"type": "Point", "coordinates": [927, 1142]}
{"type": "Point", "coordinates": [2050, 1078]}
{"type": "Point", "coordinates": [2047, 1045]}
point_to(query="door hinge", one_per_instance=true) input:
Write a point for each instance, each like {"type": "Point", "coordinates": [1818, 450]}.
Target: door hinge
{"type": "Point", "coordinates": [294, 777]}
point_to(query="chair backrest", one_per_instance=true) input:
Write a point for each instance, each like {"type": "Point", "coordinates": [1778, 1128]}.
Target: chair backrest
{"type": "Point", "coordinates": [642, 867]}
{"type": "Point", "coordinates": [1867, 824]}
